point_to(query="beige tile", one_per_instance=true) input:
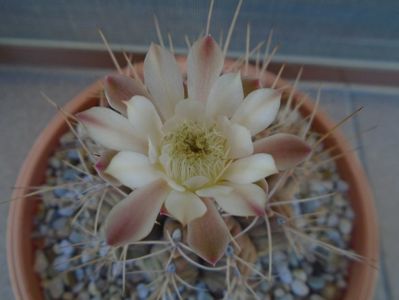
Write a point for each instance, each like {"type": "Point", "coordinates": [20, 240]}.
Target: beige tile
{"type": "Point", "coordinates": [381, 150]}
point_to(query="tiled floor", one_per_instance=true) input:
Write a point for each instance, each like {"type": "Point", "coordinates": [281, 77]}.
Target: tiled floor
{"type": "Point", "coordinates": [23, 115]}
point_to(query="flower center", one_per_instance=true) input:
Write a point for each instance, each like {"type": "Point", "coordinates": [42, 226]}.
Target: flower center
{"type": "Point", "coordinates": [194, 149]}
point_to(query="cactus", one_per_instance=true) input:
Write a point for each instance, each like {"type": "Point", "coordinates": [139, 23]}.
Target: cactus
{"type": "Point", "coordinates": [194, 180]}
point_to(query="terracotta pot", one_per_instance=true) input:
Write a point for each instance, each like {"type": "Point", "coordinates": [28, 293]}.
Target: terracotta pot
{"type": "Point", "coordinates": [21, 248]}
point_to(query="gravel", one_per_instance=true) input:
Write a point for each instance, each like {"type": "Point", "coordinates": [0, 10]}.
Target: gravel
{"type": "Point", "coordinates": [295, 276]}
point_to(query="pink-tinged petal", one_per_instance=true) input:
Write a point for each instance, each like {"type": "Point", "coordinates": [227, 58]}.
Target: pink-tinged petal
{"type": "Point", "coordinates": [238, 138]}
{"type": "Point", "coordinates": [119, 88]}
{"type": "Point", "coordinates": [208, 236]}
{"type": "Point", "coordinates": [102, 164]}
{"type": "Point", "coordinates": [184, 206]}
{"type": "Point", "coordinates": [204, 65]}
{"type": "Point", "coordinates": [225, 96]}
{"type": "Point", "coordinates": [244, 200]}
{"type": "Point", "coordinates": [144, 118]}
{"type": "Point", "coordinates": [132, 169]}
{"type": "Point", "coordinates": [287, 150]}
{"type": "Point", "coordinates": [163, 79]}
{"type": "Point", "coordinates": [258, 110]}
{"type": "Point", "coordinates": [250, 169]}
{"type": "Point", "coordinates": [111, 130]}
{"type": "Point", "coordinates": [133, 218]}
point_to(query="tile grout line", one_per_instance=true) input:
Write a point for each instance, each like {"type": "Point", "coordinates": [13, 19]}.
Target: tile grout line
{"type": "Point", "coordinates": [383, 269]}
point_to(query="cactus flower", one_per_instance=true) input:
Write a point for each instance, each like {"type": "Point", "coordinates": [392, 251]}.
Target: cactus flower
{"type": "Point", "coordinates": [188, 156]}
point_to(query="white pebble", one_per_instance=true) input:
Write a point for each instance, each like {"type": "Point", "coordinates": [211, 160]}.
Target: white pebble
{"type": "Point", "coordinates": [345, 226]}
{"type": "Point", "coordinates": [299, 288]}
{"type": "Point", "coordinates": [41, 262]}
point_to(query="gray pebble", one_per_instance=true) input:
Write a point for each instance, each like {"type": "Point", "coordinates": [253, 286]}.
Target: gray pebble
{"type": "Point", "coordinates": [104, 250]}
{"type": "Point", "coordinates": [349, 213]}
{"type": "Point", "coordinates": [317, 186]}
{"type": "Point", "coordinates": [86, 256]}
{"type": "Point", "coordinates": [59, 223]}
{"type": "Point", "coordinates": [321, 220]}
{"type": "Point", "coordinates": [66, 211]}
{"type": "Point", "coordinates": [316, 283]}
{"type": "Point", "coordinates": [83, 296]}
{"type": "Point", "coordinates": [332, 220]}
{"type": "Point", "coordinates": [287, 297]}
{"type": "Point", "coordinates": [65, 248]}
{"type": "Point", "coordinates": [334, 236]}
{"type": "Point", "coordinates": [79, 274]}
{"type": "Point", "coordinates": [49, 215]}
{"type": "Point", "coordinates": [73, 155]}
{"type": "Point", "coordinates": [61, 263]}
{"type": "Point", "coordinates": [77, 288]}
{"type": "Point", "coordinates": [310, 206]}
{"type": "Point", "coordinates": [70, 175]}
{"type": "Point", "coordinates": [204, 296]}
{"type": "Point", "coordinates": [76, 237]}
{"type": "Point", "coordinates": [284, 273]}
{"type": "Point", "coordinates": [60, 192]}
{"type": "Point", "coordinates": [293, 260]}
{"type": "Point", "coordinates": [116, 269]}
{"type": "Point", "coordinates": [342, 186]}
{"type": "Point", "coordinates": [56, 287]}
{"type": "Point", "coordinates": [299, 288]}
{"type": "Point", "coordinates": [142, 291]}
{"type": "Point", "coordinates": [265, 286]}
{"type": "Point", "coordinates": [279, 256]}
{"type": "Point", "coordinates": [278, 293]}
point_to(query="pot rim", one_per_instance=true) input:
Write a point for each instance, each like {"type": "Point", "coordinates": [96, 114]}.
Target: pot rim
{"type": "Point", "coordinates": [25, 282]}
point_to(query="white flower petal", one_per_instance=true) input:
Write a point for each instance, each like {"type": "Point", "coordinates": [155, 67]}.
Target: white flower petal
{"type": "Point", "coordinates": [173, 184]}
{"type": "Point", "coordinates": [152, 152]}
{"type": "Point", "coordinates": [195, 182]}
{"type": "Point", "coordinates": [214, 190]}
{"type": "Point", "coordinates": [111, 130]}
{"type": "Point", "coordinates": [238, 138]}
{"type": "Point", "coordinates": [250, 169]}
{"type": "Point", "coordinates": [225, 96]}
{"type": "Point", "coordinates": [204, 64]}
{"type": "Point", "coordinates": [144, 118]}
{"type": "Point", "coordinates": [163, 79]}
{"type": "Point", "coordinates": [258, 110]}
{"type": "Point", "coordinates": [133, 218]}
{"type": "Point", "coordinates": [245, 200]}
{"type": "Point", "coordinates": [184, 206]}
{"type": "Point", "coordinates": [186, 109]}
{"type": "Point", "coordinates": [132, 169]}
